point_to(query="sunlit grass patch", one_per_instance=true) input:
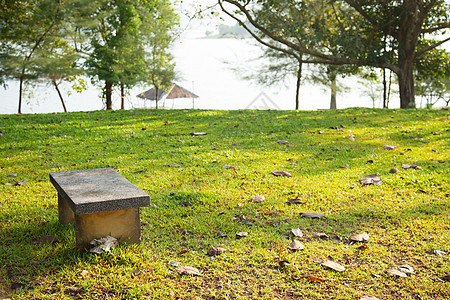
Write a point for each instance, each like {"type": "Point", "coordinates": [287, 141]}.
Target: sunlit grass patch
{"type": "Point", "coordinates": [406, 217]}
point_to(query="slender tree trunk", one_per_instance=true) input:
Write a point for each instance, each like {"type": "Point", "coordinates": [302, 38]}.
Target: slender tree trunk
{"type": "Point", "coordinates": [20, 95]}
{"type": "Point", "coordinates": [122, 96]}
{"type": "Point", "coordinates": [333, 94]}
{"type": "Point", "coordinates": [297, 91]}
{"type": "Point", "coordinates": [60, 96]}
{"type": "Point", "coordinates": [384, 88]}
{"type": "Point", "coordinates": [108, 94]}
{"type": "Point", "coordinates": [157, 96]}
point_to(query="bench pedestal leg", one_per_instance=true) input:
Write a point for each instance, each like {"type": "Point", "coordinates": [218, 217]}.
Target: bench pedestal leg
{"type": "Point", "coordinates": [65, 213]}
{"type": "Point", "coordinates": [122, 224]}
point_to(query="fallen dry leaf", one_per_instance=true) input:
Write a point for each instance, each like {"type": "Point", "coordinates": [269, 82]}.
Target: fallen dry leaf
{"type": "Point", "coordinates": [394, 271]}
{"type": "Point", "coordinates": [47, 239]}
{"type": "Point", "coordinates": [295, 201]}
{"type": "Point", "coordinates": [282, 142]}
{"type": "Point", "coordinates": [362, 237]}
{"type": "Point", "coordinates": [388, 147]}
{"type": "Point", "coordinates": [295, 245]}
{"type": "Point", "coordinates": [297, 232]}
{"type": "Point", "coordinates": [284, 263]}
{"type": "Point", "coordinates": [394, 170]}
{"type": "Point", "coordinates": [446, 277]}
{"type": "Point", "coordinates": [174, 263]}
{"type": "Point", "coordinates": [370, 179]}
{"type": "Point", "coordinates": [320, 235]}
{"type": "Point", "coordinates": [198, 133]}
{"type": "Point", "coordinates": [312, 215]}
{"type": "Point", "coordinates": [258, 199]}
{"type": "Point", "coordinates": [227, 167]}
{"type": "Point", "coordinates": [187, 270]}
{"type": "Point", "coordinates": [216, 251]}
{"type": "Point", "coordinates": [411, 166]}
{"type": "Point", "coordinates": [174, 165]}
{"type": "Point", "coordinates": [332, 265]}
{"type": "Point", "coordinates": [369, 298]}
{"type": "Point", "coordinates": [438, 252]}
{"type": "Point", "coordinates": [351, 137]}
{"type": "Point", "coordinates": [12, 175]}
{"type": "Point", "coordinates": [310, 278]}
{"type": "Point", "coordinates": [241, 234]}
{"type": "Point", "coordinates": [407, 269]}
{"type": "Point", "coordinates": [281, 173]}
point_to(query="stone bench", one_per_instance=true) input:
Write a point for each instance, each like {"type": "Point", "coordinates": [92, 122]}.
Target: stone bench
{"type": "Point", "coordinates": [101, 202]}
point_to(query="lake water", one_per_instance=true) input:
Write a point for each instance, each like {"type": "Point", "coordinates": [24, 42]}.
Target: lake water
{"type": "Point", "coordinates": [200, 62]}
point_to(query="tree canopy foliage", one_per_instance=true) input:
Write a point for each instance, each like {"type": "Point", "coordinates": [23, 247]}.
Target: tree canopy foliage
{"type": "Point", "coordinates": [109, 40]}
{"type": "Point", "coordinates": [376, 33]}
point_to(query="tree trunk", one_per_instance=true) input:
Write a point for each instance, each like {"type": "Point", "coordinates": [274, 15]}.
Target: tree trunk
{"type": "Point", "coordinates": [108, 94]}
{"type": "Point", "coordinates": [20, 95]}
{"type": "Point", "coordinates": [406, 84]}
{"type": "Point", "coordinates": [122, 96]}
{"type": "Point", "coordinates": [297, 91]}
{"type": "Point", "coordinates": [333, 94]}
{"type": "Point", "coordinates": [59, 93]}
{"type": "Point", "coordinates": [384, 89]}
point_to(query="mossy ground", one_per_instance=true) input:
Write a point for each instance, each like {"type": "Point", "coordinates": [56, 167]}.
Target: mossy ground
{"type": "Point", "coordinates": [407, 216]}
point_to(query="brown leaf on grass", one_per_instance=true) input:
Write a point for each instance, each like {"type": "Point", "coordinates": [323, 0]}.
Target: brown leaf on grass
{"type": "Point", "coordinates": [187, 270]}
{"type": "Point", "coordinates": [369, 298]}
{"type": "Point", "coordinates": [12, 175]}
{"type": "Point", "coordinates": [297, 232]}
{"type": "Point", "coordinates": [282, 142]}
{"type": "Point", "coordinates": [362, 237]}
{"type": "Point", "coordinates": [174, 263]}
{"type": "Point", "coordinates": [351, 137]}
{"type": "Point", "coordinates": [9, 184]}
{"type": "Point", "coordinates": [312, 215]}
{"type": "Point", "coordinates": [332, 265]}
{"type": "Point", "coordinates": [258, 198]}
{"type": "Point", "coordinates": [438, 252]}
{"type": "Point", "coordinates": [241, 234]}
{"type": "Point", "coordinates": [394, 271]}
{"type": "Point", "coordinates": [46, 239]}
{"type": "Point", "coordinates": [295, 245]}
{"type": "Point", "coordinates": [216, 251]}
{"type": "Point", "coordinates": [370, 179]}
{"type": "Point", "coordinates": [273, 223]}
{"type": "Point", "coordinates": [295, 201]}
{"type": "Point", "coordinates": [281, 173]}
{"type": "Point", "coordinates": [363, 247]}
{"type": "Point", "coordinates": [394, 171]}
{"type": "Point", "coordinates": [174, 165]}
{"type": "Point", "coordinates": [320, 235]}
{"type": "Point", "coordinates": [182, 252]}
{"type": "Point", "coordinates": [320, 132]}
{"type": "Point", "coordinates": [411, 166]}
{"type": "Point", "coordinates": [446, 277]}
{"type": "Point", "coordinates": [198, 133]}
{"type": "Point", "coordinates": [407, 269]}
{"type": "Point", "coordinates": [227, 167]}
{"type": "Point", "coordinates": [139, 171]}
{"type": "Point", "coordinates": [284, 264]}
{"type": "Point", "coordinates": [388, 147]}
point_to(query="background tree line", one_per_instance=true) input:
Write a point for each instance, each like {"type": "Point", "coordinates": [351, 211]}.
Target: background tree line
{"type": "Point", "coordinates": [345, 36]}
{"type": "Point", "coordinates": [116, 43]}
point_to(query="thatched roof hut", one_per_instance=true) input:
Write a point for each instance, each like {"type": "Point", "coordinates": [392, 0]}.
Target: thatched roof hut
{"type": "Point", "coordinates": [174, 92]}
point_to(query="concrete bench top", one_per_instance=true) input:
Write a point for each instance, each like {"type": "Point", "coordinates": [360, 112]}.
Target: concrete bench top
{"type": "Point", "coordinates": [97, 190]}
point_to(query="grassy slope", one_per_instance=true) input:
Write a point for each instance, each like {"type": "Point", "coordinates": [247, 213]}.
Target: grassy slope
{"type": "Point", "coordinates": [406, 216]}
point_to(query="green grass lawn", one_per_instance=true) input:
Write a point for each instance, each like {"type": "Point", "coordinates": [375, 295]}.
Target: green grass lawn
{"type": "Point", "coordinates": [406, 217]}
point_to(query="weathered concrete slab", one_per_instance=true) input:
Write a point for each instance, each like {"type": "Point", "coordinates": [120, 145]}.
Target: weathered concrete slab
{"type": "Point", "coordinates": [97, 190]}
{"type": "Point", "coordinates": [122, 224]}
